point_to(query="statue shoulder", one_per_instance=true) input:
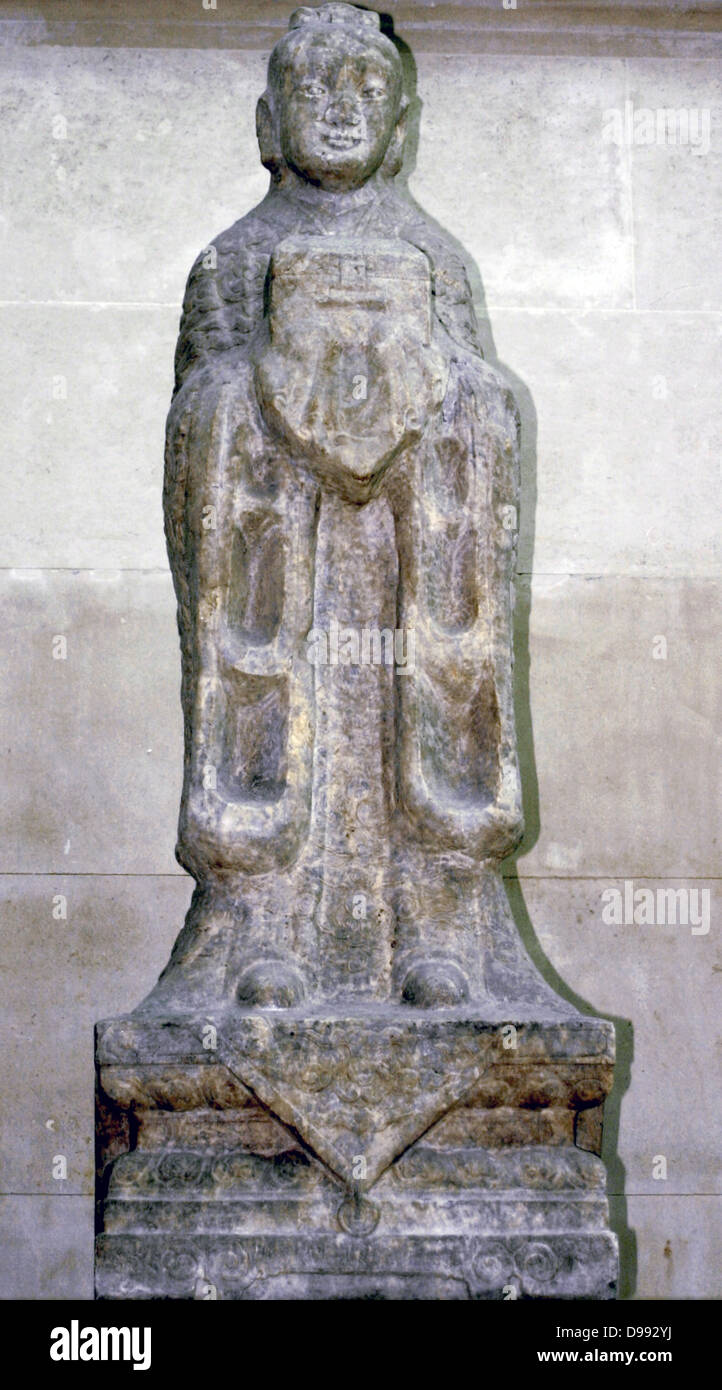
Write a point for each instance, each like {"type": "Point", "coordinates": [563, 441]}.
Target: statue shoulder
{"type": "Point", "coordinates": [454, 308]}
{"type": "Point", "coordinates": [223, 298]}
{"type": "Point", "coordinates": [453, 301]}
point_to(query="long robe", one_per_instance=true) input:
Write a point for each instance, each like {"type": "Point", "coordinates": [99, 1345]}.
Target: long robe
{"type": "Point", "coordinates": [353, 847]}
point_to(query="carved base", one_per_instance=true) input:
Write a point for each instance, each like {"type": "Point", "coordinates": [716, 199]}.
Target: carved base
{"type": "Point", "coordinates": [381, 1155]}
{"type": "Point", "coordinates": [385, 1268]}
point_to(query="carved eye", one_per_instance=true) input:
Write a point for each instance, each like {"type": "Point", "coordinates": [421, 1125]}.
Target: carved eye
{"type": "Point", "coordinates": [314, 90]}
{"type": "Point", "coordinates": [372, 91]}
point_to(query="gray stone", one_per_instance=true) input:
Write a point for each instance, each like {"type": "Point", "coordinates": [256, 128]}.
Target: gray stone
{"type": "Point", "coordinates": [341, 495]}
{"type": "Point", "coordinates": [598, 496]}
{"type": "Point", "coordinates": [536, 242]}
{"type": "Point", "coordinates": [58, 971]}
{"type": "Point", "coordinates": [95, 759]}
{"type": "Point", "coordinates": [678, 1242]}
{"type": "Point", "coordinates": [47, 1246]}
{"type": "Point", "coordinates": [635, 660]}
{"type": "Point", "coordinates": [219, 1199]}
{"type": "Point", "coordinates": [674, 157]}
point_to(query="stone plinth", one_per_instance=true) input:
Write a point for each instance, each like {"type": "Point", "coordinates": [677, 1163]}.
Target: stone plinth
{"type": "Point", "coordinates": [378, 1154]}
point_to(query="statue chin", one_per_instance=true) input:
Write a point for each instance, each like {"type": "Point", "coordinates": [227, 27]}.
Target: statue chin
{"type": "Point", "coordinates": [335, 171]}
{"type": "Point", "coordinates": [339, 161]}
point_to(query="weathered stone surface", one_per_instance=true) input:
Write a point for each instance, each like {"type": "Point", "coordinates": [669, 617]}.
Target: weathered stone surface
{"type": "Point", "coordinates": [341, 505]}
{"type": "Point", "coordinates": [607, 502]}
{"type": "Point", "coordinates": [452, 1266]}
{"type": "Point", "coordinates": [47, 1245]}
{"type": "Point", "coordinates": [95, 762]}
{"type": "Point", "coordinates": [675, 183]}
{"type": "Point", "coordinates": [652, 646]}
{"type": "Point", "coordinates": [128, 923]}
{"type": "Point", "coordinates": [75, 367]}
{"type": "Point", "coordinates": [57, 971]}
{"type": "Point", "coordinates": [357, 1088]}
{"type": "Point", "coordinates": [213, 1209]}
{"type": "Point", "coordinates": [113, 803]}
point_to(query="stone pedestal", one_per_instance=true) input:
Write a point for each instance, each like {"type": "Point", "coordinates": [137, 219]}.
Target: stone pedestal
{"type": "Point", "coordinates": [385, 1154]}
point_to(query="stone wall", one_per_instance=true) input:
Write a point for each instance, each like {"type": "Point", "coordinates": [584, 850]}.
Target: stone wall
{"type": "Point", "coordinates": [128, 142]}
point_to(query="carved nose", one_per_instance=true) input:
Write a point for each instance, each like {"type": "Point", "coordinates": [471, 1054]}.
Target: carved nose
{"type": "Point", "coordinates": [342, 111]}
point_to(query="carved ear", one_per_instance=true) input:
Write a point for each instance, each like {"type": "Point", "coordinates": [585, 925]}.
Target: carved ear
{"type": "Point", "coordinates": [269, 142]}
{"type": "Point", "coordinates": [394, 157]}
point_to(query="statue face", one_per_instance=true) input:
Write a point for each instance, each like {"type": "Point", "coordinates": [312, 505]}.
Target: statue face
{"type": "Point", "coordinates": [339, 103]}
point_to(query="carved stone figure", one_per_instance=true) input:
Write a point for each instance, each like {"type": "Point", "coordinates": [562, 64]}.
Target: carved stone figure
{"type": "Point", "coordinates": [338, 451]}
{"type": "Point", "coordinates": [341, 492]}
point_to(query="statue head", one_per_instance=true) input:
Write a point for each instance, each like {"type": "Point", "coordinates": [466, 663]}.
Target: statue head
{"type": "Point", "coordinates": [333, 112]}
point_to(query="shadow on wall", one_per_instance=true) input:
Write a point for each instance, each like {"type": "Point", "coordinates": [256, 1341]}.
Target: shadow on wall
{"type": "Point", "coordinates": [524, 725]}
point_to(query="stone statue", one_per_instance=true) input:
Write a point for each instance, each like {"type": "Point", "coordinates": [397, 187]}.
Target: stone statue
{"type": "Point", "coordinates": [339, 452]}
{"type": "Point", "coordinates": [341, 492]}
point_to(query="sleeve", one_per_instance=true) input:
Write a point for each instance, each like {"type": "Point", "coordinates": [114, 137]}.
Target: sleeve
{"type": "Point", "coordinates": [452, 299]}
{"type": "Point", "coordinates": [453, 303]}
{"type": "Point", "coordinates": [204, 327]}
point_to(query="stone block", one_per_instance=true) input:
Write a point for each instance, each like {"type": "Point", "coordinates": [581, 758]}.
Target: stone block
{"type": "Point", "coordinates": [60, 973]}
{"type": "Point", "coordinates": [644, 975]}
{"type": "Point", "coordinates": [621, 740]}
{"type": "Point", "coordinates": [87, 222]}
{"type": "Point", "coordinates": [199, 1203]}
{"type": "Point", "coordinates": [675, 183]}
{"type": "Point", "coordinates": [620, 440]}
{"type": "Point", "coordinates": [47, 1245]}
{"type": "Point", "coordinates": [561, 241]}
{"type": "Point", "coordinates": [83, 408]}
{"type": "Point", "coordinates": [94, 769]}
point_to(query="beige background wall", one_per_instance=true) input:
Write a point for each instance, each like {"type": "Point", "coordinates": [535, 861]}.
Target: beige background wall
{"type": "Point", "coordinates": [601, 300]}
